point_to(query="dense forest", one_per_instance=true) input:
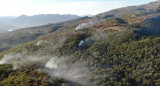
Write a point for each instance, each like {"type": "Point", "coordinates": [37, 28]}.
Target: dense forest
{"type": "Point", "coordinates": [114, 48]}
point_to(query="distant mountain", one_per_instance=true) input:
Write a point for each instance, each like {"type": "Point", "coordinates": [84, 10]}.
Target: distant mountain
{"type": "Point", "coordinates": [37, 20]}
{"type": "Point", "coordinates": [23, 21]}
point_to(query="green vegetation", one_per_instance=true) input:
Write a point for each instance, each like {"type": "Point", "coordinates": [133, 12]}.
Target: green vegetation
{"type": "Point", "coordinates": [120, 58]}
{"type": "Point", "coordinates": [28, 76]}
{"type": "Point", "coordinates": [121, 51]}
{"type": "Point", "coordinates": [158, 9]}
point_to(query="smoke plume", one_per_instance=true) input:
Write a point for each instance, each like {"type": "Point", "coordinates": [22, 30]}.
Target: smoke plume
{"type": "Point", "coordinates": [18, 60]}
{"type": "Point", "coordinates": [76, 72]}
{"type": "Point", "coordinates": [85, 25]}
{"type": "Point", "coordinates": [53, 65]}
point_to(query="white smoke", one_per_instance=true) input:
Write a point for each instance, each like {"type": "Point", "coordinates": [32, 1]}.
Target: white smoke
{"type": "Point", "coordinates": [18, 60]}
{"type": "Point", "coordinates": [99, 36]}
{"type": "Point", "coordinates": [74, 72]}
{"type": "Point", "coordinates": [85, 25]}
{"type": "Point", "coordinates": [5, 59]}
{"type": "Point", "coordinates": [81, 26]}
{"type": "Point", "coordinates": [85, 41]}
{"type": "Point", "coordinates": [41, 42]}
{"type": "Point", "coordinates": [54, 66]}
{"type": "Point", "coordinates": [10, 30]}
{"type": "Point", "coordinates": [52, 63]}
{"type": "Point", "coordinates": [81, 43]}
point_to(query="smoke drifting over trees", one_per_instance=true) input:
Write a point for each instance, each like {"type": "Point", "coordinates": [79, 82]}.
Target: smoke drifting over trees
{"type": "Point", "coordinates": [55, 66]}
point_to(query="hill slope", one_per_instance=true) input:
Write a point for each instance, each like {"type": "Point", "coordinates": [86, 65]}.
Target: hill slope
{"type": "Point", "coordinates": [117, 48]}
{"type": "Point", "coordinates": [5, 27]}
{"type": "Point", "coordinates": [9, 39]}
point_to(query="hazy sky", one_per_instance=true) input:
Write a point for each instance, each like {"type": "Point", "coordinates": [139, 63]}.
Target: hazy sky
{"type": "Point", "coordinates": [78, 7]}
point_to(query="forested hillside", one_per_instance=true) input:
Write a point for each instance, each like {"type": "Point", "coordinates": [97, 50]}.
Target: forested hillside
{"type": "Point", "coordinates": [116, 48]}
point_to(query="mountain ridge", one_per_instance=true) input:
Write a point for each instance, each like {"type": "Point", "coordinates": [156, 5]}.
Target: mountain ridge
{"type": "Point", "coordinates": [24, 21]}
